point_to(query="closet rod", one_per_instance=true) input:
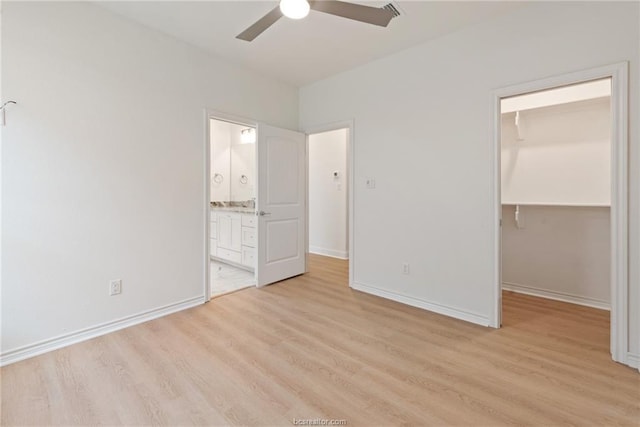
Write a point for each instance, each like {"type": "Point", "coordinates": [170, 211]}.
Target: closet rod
{"type": "Point", "coordinates": [3, 119]}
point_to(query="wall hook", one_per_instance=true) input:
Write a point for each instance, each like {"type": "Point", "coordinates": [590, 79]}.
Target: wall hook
{"type": "Point", "coordinates": [3, 118]}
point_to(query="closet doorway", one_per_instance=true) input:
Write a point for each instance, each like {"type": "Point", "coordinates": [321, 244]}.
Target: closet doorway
{"type": "Point", "coordinates": [560, 187]}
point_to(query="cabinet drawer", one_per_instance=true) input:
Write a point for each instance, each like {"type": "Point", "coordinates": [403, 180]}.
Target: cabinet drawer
{"type": "Point", "coordinates": [248, 220]}
{"type": "Point", "coordinates": [249, 237]}
{"type": "Point", "coordinates": [248, 257]}
{"type": "Point", "coordinates": [213, 230]}
{"type": "Point", "coordinates": [213, 216]}
{"type": "Point", "coordinates": [213, 247]}
{"type": "Point", "coordinates": [229, 255]}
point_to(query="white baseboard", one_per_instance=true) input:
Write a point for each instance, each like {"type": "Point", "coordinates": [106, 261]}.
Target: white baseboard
{"type": "Point", "coordinates": [426, 305]}
{"type": "Point", "coordinates": [633, 360]}
{"type": "Point", "coordinates": [558, 296]}
{"type": "Point", "coordinates": [55, 343]}
{"type": "Point", "coordinates": [329, 252]}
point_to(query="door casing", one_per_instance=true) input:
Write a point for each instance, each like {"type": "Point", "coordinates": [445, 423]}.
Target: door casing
{"type": "Point", "coordinates": [619, 192]}
{"type": "Point", "coordinates": [215, 115]}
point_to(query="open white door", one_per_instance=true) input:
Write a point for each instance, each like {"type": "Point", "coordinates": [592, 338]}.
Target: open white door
{"type": "Point", "coordinates": [281, 196]}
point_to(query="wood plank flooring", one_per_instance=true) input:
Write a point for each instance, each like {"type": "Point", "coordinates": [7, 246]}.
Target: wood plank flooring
{"type": "Point", "coordinates": [311, 348]}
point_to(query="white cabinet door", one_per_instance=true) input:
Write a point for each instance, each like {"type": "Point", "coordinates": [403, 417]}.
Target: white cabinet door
{"type": "Point", "coordinates": [213, 230]}
{"type": "Point", "coordinates": [229, 231]}
{"type": "Point", "coordinates": [224, 231]}
{"type": "Point", "coordinates": [236, 233]}
{"type": "Point", "coordinates": [281, 200]}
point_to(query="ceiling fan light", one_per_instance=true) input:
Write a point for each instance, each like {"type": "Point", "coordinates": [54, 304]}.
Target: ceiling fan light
{"type": "Point", "coordinates": [294, 9]}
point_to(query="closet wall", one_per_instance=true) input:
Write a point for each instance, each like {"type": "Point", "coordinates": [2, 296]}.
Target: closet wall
{"type": "Point", "coordinates": [556, 169]}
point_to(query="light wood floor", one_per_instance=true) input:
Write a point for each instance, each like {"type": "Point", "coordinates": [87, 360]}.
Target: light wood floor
{"type": "Point", "coordinates": [312, 348]}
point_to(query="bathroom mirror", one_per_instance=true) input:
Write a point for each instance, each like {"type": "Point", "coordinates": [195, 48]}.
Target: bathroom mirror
{"type": "Point", "coordinates": [232, 162]}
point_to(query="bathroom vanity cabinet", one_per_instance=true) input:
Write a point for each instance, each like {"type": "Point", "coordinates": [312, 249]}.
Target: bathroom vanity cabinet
{"type": "Point", "coordinates": [233, 237]}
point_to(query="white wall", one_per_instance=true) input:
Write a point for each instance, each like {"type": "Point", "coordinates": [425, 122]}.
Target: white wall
{"type": "Point", "coordinates": [328, 216]}
{"type": "Point", "coordinates": [103, 166]}
{"type": "Point", "coordinates": [562, 252]}
{"type": "Point", "coordinates": [423, 129]}
{"type": "Point", "coordinates": [563, 156]}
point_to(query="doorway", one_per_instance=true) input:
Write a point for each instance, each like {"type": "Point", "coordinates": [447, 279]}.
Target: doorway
{"type": "Point", "coordinates": [564, 190]}
{"type": "Point", "coordinates": [330, 196]}
{"type": "Point", "coordinates": [232, 230]}
{"type": "Point", "coordinates": [256, 222]}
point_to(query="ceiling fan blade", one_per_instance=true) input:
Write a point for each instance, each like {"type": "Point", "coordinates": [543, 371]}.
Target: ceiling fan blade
{"type": "Point", "coordinates": [357, 12]}
{"type": "Point", "coordinates": [260, 25]}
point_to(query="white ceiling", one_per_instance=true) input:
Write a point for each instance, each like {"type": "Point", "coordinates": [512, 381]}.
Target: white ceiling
{"type": "Point", "coordinates": [304, 51]}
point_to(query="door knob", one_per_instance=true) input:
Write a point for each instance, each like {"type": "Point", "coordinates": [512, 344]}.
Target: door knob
{"type": "Point", "coordinates": [263, 213]}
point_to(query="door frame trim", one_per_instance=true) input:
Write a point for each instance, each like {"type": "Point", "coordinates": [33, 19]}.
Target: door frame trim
{"type": "Point", "coordinates": [226, 117]}
{"type": "Point", "coordinates": [327, 127]}
{"type": "Point", "coordinates": [619, 280]}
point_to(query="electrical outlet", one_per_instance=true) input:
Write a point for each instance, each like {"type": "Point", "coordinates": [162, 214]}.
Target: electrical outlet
{"type": "Point", "coordinates": [115, 287]}
{"type": "Point", "coordinates": [405, 268]}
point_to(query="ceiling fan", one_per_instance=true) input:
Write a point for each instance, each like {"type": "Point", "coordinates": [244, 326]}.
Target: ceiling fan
{"type": "Point", "coordinates": [297, 9]}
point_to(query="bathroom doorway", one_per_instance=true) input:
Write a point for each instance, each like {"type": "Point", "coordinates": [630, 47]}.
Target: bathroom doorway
{"type": "Point", "coordinates": [232, 221]}
{"type": "Point", "coordinates": [255, 210]}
